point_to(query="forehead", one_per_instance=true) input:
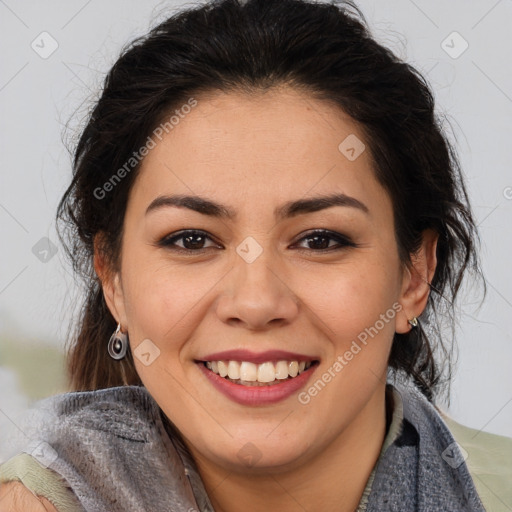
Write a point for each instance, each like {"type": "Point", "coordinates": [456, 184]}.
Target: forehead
{"type": "Point", "coordinates": [273, 144]}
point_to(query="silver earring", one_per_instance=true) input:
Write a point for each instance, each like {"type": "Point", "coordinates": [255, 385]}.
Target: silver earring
{"type": "Point", "coordinates": [118, 344]}
{"type": "Point", "coordinates": [413, 321]}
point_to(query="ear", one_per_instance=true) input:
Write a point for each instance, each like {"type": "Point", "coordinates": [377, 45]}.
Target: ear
{"type": "Point", "coordinates": [416, 281]}
{"type": "Point", "coordinates": [110, 282]}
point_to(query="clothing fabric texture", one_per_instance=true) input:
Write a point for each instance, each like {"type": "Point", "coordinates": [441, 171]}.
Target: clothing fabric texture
{"type": "Point", "coordinates": [114, 450]}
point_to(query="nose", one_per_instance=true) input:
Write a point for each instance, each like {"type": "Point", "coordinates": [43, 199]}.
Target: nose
{"type": "Point", "coordinates": [257, 296]}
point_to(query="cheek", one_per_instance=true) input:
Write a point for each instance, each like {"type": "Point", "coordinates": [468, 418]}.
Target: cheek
{"type": "Point", "coordinates": [163, 300]}
{"type": "Point", "coordinates": [352, 298]}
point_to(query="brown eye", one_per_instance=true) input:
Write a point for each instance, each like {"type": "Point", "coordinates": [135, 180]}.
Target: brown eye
{"type": "Point", "coordinates": [321, 240]}
{"type": "Point", "coordinates": [191, 240]}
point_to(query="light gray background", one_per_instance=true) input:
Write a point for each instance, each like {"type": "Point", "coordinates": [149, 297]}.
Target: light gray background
{"type": "Point", "coordinates": [38, 97]}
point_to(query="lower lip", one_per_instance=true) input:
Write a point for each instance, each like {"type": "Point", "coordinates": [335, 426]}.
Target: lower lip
{"type": "Point", "coordinates": [258, 395]}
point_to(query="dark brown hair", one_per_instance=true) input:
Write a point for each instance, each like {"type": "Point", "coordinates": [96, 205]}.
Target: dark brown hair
{"type": "Point", "coordinates": [322, 49]}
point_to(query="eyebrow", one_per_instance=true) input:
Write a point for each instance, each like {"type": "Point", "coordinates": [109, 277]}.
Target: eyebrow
{"type": "Point", "coordinates": [290, 209]}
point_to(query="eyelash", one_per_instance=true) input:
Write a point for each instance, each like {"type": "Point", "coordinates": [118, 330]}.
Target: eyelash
{"type": "Point", "coordinates": [343, 241]}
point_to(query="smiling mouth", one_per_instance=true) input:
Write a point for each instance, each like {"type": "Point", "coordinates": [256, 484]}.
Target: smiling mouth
{"type": "Point", "coordinates": [269, 373]}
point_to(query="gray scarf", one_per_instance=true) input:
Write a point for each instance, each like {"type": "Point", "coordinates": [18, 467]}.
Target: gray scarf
{"type": "Point", "coordinates": [119, 453]}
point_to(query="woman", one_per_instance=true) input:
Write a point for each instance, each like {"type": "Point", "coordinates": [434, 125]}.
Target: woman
{"type": "Point", "coordinates": [271, 225]}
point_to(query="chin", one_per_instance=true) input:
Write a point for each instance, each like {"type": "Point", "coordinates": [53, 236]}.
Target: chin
{"type": "Point", "coordinates": [260, 454]}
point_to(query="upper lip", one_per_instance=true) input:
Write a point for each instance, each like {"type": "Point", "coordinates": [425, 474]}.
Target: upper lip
{"type": "Point", "coordinates": [257, 357]}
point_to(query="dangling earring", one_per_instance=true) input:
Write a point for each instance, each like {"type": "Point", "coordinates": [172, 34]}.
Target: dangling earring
{"type": "Point", "coordinates": [118, 344]}
{"type": "Point", "coordinates": [413, 321]}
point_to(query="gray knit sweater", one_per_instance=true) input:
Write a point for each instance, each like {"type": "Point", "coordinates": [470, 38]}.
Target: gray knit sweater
{"type": "Point", "coordinates": [117, 452]}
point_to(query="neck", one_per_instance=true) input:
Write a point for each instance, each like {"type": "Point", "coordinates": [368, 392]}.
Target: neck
{"type": "Point", "coordinates": [335, 477]}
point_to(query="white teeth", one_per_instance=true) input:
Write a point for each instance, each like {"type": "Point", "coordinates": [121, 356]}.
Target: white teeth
{"type": "Point", "coordinates": [293, 368]}
{"type": "Point", "coordinates": [248, 371]}
{"type": "Point", "coordinates": [245, 371]}
{"type": "Point", "coordinates": [266, 372]}
{"type": "Point", "coordinates": [282, 370]}
{"type": "Point", "coordinates": [233, 370]}
{"type": "Point", "coordinates": [222, 368]}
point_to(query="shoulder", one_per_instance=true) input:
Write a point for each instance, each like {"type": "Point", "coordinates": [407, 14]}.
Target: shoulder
{"type": "Point", "coordinates": [489, 460]}
{"type": "Point", "coordinates": [15, 497]}
{"type": "Point", "coordinates": [25, 480]}
{"type": "Point", "coordinates": [69, 430]}
{"type": "Point", "coordinates": [483, 446]}
{"type": "Point", "coordinates": [467, 463]}
{"type": "Point", "coordinates": [103, 444]}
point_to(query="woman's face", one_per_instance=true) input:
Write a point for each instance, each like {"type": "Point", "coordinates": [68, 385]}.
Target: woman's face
{"type": "Point", "coordinates": [260, 284]}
